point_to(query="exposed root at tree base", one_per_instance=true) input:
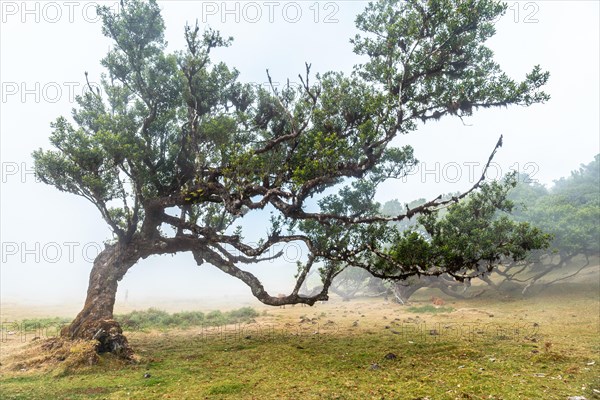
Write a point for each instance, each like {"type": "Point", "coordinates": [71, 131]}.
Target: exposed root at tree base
{"type": "Point", "coordinates": [107, 332]}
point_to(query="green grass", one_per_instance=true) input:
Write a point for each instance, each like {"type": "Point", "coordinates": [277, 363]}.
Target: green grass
{"type": "Point", "coordinates": [309, 368]}
{"type": "Point", "coordinates": [152, 319]}
{"type": "Point", "coordinates": [35, 323]}
{"type": "Point", "coordinates": [226, 388]}
{"type": "Point", "coordinates": [553, 363]}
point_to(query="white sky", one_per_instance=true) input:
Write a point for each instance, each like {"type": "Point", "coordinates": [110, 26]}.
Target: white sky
{"type": "Point", "coordinates": [46, 47]}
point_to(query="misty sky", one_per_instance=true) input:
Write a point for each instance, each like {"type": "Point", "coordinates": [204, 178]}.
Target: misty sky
{"type": "Point", "coordinates": [49, 238]}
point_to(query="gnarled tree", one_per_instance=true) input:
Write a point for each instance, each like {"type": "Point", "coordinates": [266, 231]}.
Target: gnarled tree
{"type": "Point", "coordinates": [477, 231]}
{"type": "Point", "coordinates": [570, 211]}
{"type": "Point", "coordinates": [175, 148]}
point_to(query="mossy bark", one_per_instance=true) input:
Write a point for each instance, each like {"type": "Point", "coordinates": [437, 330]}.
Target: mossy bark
{"type": "Point", "coordinates": [95, 321]}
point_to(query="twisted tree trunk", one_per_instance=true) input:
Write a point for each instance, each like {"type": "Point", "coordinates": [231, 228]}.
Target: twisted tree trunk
{"type": "Point", "coordinates": [96, 321]}
{"type": "Point", "coordinates": [402, 291]}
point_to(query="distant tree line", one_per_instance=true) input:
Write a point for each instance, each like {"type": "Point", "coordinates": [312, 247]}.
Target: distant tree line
{"type": "Point", "coordinates": [568, 212]}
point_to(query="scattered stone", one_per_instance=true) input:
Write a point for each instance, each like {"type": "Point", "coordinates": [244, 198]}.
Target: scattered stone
{"type": "Point", "coordinates": [390, 356]}
{"type": "Point", "coordinates": [535, 324]}
{"type": "Point", "coordinates": [374, 366]}
{"type": "Point", "coordinates": [386, 327]}
{"type": "Point", "coordinates": [539, 375]}
{"type": "Point", "coordinates": [576, 398]}
{"type": "Point", "coordinates": [433, 332]}
{"type": "Point", "coordinates": [395, 332]}
{"type": "Point", "coordinates": [147, 375]}
{"type": "Point", "coordinates": [535, 351]}
{"type": "Point", "coordinates": [355, 323]}
{"type": "Point", "coordinates": [591, 363]}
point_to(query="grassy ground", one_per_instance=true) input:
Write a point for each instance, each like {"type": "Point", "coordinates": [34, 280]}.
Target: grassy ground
{"type": "Point", "coordinates": [542, 348]}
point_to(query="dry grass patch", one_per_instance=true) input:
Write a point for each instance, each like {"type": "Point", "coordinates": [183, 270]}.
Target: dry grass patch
{"type": "Point", "coordinates": [58, 357]}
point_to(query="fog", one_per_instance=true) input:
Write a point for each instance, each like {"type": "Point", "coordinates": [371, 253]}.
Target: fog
{"type": "Point", "coordinates": [49, 238]}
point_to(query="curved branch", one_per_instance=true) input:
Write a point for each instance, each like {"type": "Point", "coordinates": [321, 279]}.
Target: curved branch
{"type": "Point", "coordinates": [257, 288]}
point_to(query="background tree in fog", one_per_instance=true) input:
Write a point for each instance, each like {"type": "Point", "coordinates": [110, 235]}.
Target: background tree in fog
{"type": "Point", "coordinates": [569, 211]}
